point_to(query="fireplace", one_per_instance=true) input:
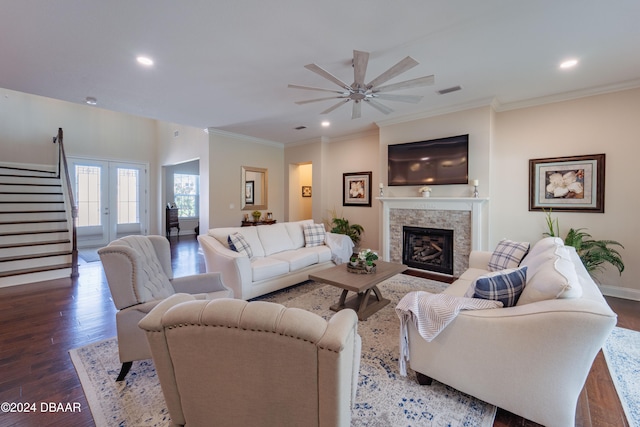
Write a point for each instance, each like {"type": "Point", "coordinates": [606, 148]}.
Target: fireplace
{"type": "Point", "coordinates": [428, 249]}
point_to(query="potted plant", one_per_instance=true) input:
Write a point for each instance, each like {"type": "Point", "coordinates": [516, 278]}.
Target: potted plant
{"type": "Point", "coordinates": [593, 253]}
{"type": "Point", "coordinates": [425, 191]}
{"type": "Point", "coordinates": [366, 257]}
{"type": "Point", "coordinates": [256, 215]}
{"type": "Point", "coordinates": [342, 226]}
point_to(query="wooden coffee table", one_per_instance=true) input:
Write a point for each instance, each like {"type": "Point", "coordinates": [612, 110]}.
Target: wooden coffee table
{"type": "Point", "coordinates": [362, 284]}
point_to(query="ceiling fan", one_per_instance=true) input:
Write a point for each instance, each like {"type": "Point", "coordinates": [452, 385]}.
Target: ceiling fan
{"type": "Point", "coordinates": [360, 92]}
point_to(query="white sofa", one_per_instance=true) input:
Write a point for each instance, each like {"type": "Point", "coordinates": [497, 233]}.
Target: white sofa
{"type": "Point", "coordinates": [280, 258]}
{"type": "Point", "coordinates": [531, 359]}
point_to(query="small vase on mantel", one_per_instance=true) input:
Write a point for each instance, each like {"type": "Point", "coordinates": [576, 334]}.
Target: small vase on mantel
{"type": "Point", "coordinates": [425, 191]}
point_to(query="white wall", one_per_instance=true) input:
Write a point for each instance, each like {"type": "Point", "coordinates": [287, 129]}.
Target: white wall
{"type": "Point", "coordinates": [357, 153]}
{"type": "Point", "coordinates": [599, 124]}
{"type": "Point", "coordinates": [227, 154]}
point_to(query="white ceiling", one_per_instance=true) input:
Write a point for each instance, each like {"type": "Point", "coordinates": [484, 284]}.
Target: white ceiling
{"type": "Point", "coordinates": [226, 64]}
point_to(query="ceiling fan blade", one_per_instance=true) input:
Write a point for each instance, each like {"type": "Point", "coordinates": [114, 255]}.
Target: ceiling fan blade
{"type": "Point", "coordinates": [402, 66]}
{"type": "Point", "coordinates": [360, 61]}
{"type": "Point", "coordinates": [333, 107]}
{"type": "Point", "coordinates": [356, 111]}
{"type": "Point", "coordinates": [408, 84]}
{"type": "Point", "coordinates": [316, 88]}
{"type": "Point", "coordinates": [414, 99]}
{"type": "Point", "coordinates": [327, 75]}
{"type": "Point", "coordinates": [378, 106]}
{"type": "Point", "coordinates": [308, 101]}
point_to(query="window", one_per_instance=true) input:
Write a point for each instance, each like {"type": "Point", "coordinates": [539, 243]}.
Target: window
{"type": "Point", "coordinates": [186, 190]}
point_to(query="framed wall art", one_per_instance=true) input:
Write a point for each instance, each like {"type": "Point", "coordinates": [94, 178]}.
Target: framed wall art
{"type": "Point", "coordinates": [570, 184]}
{"type": "Point", "coordinates": [356, 189]}
{"type": "Point", "coordinates": [306, 191]}
{"type": "Point", "coordinates": [249, 192]}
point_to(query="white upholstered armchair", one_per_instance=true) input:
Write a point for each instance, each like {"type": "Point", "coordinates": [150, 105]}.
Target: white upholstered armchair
{"type": "Point", "coordinates": [230, 362]}
{"type": "Point", "coordinates": [138, 270]}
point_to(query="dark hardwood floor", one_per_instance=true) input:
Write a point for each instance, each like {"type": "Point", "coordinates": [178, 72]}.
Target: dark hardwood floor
{"type": "Point", "coordinates": [40, 323]}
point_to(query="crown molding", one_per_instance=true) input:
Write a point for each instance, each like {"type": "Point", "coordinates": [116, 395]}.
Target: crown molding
{"type": "Point", "coordinates": [484, 102]}
{"type": "Point", "coordinates": [567, 96]}
{"type": "Point", "coordinates": [245, 138]}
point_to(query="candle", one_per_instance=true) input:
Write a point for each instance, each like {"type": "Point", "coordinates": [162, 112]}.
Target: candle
{"type": "Point", "coordinates": [381, 185]}
{"type": "Point", "coordinates": [476, 182]}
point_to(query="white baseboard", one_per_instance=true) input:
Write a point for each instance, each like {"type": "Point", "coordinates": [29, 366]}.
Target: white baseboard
{"type": "Point", "coordinates": [619, 292]}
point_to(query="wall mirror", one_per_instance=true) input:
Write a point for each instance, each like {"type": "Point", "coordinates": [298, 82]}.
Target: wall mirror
{"type": "Point", "coordinates": [254, 188]}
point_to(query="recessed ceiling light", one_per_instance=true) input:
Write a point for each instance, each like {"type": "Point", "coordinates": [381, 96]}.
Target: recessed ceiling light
{"type": "Point", "coordinates": [325, 124]}
{"type": "Point", "coordinates": [91, 100]}
{"type": "Point", "coordinates": [569, 63]}
{"type": "Point", "coordinates": [144, 60]}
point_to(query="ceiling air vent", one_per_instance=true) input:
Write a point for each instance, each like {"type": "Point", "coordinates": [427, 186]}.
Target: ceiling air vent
{"type": "Point", "coordinates": [300, 127]}
{"type": "Point", "coordinates": [449, 90]}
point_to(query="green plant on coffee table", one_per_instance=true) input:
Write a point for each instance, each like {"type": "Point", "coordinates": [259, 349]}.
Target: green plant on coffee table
{"type": "Point", "coordinates": [593, 253]}
{"type": "Point", "coordinates": [367, 256]}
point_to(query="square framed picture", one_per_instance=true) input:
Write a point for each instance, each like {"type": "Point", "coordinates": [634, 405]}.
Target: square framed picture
{"type": "Point", "coordinates": [356, 189]}
{"type": "Point", "coordinates": [306, 191]}
{"type": "Point", "coordinates": [570, 184]}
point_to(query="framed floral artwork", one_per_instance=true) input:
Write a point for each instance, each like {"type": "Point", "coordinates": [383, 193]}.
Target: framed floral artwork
{"type": "Point", "coordinates": [570, 184]}
{"type": "Point", "coordinates": [356, 189]}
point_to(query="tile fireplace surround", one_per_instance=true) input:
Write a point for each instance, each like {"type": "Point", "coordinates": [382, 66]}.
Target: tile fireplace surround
{"type": "Point", "coordinates": [461, 214]}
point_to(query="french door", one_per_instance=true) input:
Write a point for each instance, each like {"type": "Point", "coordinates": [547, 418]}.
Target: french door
{"type": "Point", "coordinates": [111, 199]}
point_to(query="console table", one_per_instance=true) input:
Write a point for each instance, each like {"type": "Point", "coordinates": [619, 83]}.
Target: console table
{"type": "Point", "coordinates": [172, 221]}
{"type": "Point", "coordinates": [260, 222]}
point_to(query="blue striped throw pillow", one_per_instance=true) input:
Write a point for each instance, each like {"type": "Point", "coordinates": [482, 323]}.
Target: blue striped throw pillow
{"type": "Point", "coordinates": [504, 285]}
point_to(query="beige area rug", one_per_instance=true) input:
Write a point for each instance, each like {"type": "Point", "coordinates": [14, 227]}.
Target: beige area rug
{"type": "Point", "coordinates": [384, 397]}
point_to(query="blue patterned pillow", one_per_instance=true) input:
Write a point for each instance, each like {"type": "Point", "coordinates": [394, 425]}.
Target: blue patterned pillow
{"type": "Point", "coordinates": [314, 235]}
{"type": "Point", "coordinates": [504, 285]}
{"type": "Point", "coordinates": [238, 243]}
{"type": "Point", "coordinates": [507, 254]}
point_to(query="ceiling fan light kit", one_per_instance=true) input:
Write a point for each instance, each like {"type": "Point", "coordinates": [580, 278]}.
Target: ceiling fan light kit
{"type": "Point", "coordinates": [359, 91]}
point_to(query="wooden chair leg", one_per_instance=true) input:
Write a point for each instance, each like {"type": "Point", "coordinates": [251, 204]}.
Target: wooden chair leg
{"type": "Point", "coordinates": [423, 379]}
{"type": "Point", "coordinates": [124, 370]}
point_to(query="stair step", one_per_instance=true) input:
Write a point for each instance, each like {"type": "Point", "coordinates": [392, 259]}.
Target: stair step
{"type": "Point", "coordinates": [32, 227]}
{"type": "Point", "coordinates": [34, 237]}
{"type": "Point", "coordinates": [35, 270]}
{"type": "Point", "coordinates": [7, 197]}
{"type": "Point", "coordinates": [43, 243]}
{"type": "Point", "coordinates": [32, 221]}
{"type": "Point", "coordinates": [31, 206]}
{"type": "Point", "coordinates": [34, 256]}
{"type": "Point", "coordinates": [26, 233]}
{"type": "Point", "coordinates": [21, 263]}
{"type": "Point", "coordinates": [16, 216]}
{"type": "Point", "coordinates": [11, 188]}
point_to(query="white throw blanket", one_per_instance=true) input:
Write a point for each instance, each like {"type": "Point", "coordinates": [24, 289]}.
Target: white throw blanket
{"type": "Point", "coordinates": [431, 313]}
{"type": "Point", "coordinates": [341, 247]}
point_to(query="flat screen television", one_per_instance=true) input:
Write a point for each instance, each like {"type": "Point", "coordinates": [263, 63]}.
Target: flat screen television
{"type": "Point", "coordinates": [433, 162]}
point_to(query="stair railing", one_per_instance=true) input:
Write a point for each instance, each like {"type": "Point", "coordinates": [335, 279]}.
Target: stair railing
{"type": "Point", "coordinates": [64, 168]}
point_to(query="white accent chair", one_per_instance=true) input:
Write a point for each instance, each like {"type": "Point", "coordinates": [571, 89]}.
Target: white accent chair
{"type": "Point", "coordinates": [531, 359]}
{"type": "Point", "coordinates": [139, 274]}
{"type": "Point", "coordinates": [230, 362]}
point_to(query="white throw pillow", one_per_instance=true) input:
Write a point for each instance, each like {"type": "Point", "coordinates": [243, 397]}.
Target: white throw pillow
{"type": "Point", "coordinates": [551, 277]}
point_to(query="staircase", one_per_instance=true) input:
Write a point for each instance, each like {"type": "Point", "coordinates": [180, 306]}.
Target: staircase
{"type": "Point", "coordinates": [36, 242]}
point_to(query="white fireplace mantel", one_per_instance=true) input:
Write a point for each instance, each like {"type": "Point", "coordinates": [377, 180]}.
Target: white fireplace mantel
{"type": "Point", "coordinates": [470, 204]}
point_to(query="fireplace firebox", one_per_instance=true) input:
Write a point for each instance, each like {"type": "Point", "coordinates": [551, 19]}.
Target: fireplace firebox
{"type": "Point", "coordinates": [428, 249]}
